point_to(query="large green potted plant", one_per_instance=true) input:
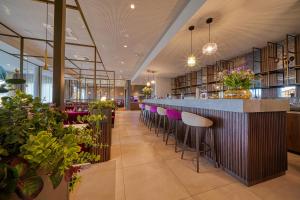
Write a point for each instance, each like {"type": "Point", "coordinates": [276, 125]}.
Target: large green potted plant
{"type": "Point", "coordinates": [238, 82]}
{"type": "Point", "coordinates": [35, 146]}
{"type": "Point", "coordinates": [147, 91]}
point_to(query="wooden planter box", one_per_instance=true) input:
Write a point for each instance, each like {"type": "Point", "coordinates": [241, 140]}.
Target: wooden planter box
{"type": "Point", "coordinates": [105, 135]}
{"type": "Point", "coordinates": [48, 193]}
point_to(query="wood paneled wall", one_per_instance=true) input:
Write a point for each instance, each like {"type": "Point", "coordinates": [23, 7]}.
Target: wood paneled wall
{"type": "Point", "coordinates": [249, 146]}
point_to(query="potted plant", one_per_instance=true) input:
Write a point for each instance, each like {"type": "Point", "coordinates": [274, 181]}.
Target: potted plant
{"type": "Point", "coordinates": [238, 82]}
{"type": "Point", "coordinates": [36, 147]}
{"type": "Point", "coordinates": [147, 91]}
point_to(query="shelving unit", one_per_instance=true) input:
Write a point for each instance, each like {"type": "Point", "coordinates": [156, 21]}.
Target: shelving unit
{"type": "Point", "coordinates": [276, 65]}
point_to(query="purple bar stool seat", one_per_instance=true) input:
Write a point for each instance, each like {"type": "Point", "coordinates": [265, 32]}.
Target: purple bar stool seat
{"type": "Point", "coordinates": [142, 115]}
{"type": "Point", "coordinates": [174, 116]}
{"type": "Point", "coordinates": [153, 115]}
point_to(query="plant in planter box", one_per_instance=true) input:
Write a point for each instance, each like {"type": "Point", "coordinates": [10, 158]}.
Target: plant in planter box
{"type": "Point", "coordinates": [34, 142]}
{"type": "Point", "coordinates": [107, 104]}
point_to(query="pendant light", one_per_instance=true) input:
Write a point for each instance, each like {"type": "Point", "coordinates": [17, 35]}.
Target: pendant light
{"type": "Point", "coordinates": [46, 47]}
{"type": "Point", "coordinates": [191, 61]}
{"type": "Point", "coordinates": [209, 48]}
{"type": "Point", "coordinates": [153, 78]}
{"type": "Point", "coordinates": [148, 82]}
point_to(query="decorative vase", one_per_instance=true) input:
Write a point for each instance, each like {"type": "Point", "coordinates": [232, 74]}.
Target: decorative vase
{"type": "Point", "coordinates": [237, 94]}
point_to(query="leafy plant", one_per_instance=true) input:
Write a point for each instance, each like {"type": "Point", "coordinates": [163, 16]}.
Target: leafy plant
{"type": "Point", "coordinates": [34, 141]}
{"type": "Point", "coordinates": [240, 78]}
{"type": "Point", "coordinates": [147, 91]}
{"type": "Point", "coordinates": [102, 105]}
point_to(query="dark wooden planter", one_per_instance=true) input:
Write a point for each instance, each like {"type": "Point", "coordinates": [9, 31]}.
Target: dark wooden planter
{"type": "Point", "coordinates": [104, 136]}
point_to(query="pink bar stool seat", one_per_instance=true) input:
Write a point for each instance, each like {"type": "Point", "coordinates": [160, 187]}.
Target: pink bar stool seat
{"type": "Point", "coordinates": [153, 109]}
{"type": "Point", "coordinates": [174, 117]}
{"type": "Point", "coordinates": [173, 114]}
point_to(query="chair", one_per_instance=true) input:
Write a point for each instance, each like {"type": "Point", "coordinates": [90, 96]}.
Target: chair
{"type": "Point", "coordinates": [142, 107]}
{"type": "Point", "coordinates": [153, 116]}
{"type": "Point", "coordinates": [174, 117]}
{"type": "Point", "coordinates": [161, 116]}
{"type": "Point", "coordinates": [193, 120]}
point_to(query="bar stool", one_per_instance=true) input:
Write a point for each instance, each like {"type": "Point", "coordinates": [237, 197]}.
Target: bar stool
{"type": "Point", "coordinates": [174, 117]}
{"type": "Point", "coordinates": [161, 116]}
{"type": "Point", "coordinates": [147, 114]}
{"type": "Point", "coordinates": [193, 120]}
{"type": "Point", "coordinates": [142, 107]}
{"type": "Point", "coordinates": [153, 116]}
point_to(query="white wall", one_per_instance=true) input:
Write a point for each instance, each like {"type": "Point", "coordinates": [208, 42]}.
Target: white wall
{"type": "Point", "coordinates": [162, 87]}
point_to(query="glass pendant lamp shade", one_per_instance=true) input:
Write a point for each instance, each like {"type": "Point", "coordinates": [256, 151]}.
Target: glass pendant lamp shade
{"type": "Point", "coordinates": [191, 62]}
{"type": "Point", "coordinates": [153, 82]}
{"type": "Point", "coordinates": [210, 48]}
{"type": "Point", "coordinates": [148, 84]}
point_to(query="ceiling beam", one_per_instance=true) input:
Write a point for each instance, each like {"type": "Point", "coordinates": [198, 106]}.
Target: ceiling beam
{"type": "Point", "coordinates": [89, 31]}
{"type": "Point", "coordinates": [52, 2]}
{"type": "Point", "coordinates": [190, 9]}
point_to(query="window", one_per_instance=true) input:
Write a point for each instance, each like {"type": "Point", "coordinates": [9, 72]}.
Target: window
{"type": "Point", "coordinates": [47, 86]}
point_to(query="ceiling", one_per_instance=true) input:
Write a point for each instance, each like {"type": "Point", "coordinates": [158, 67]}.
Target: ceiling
{"type": "Point", "coordinates": [238, 26]}
{"type": "Point", "coordinates": [126, 36]}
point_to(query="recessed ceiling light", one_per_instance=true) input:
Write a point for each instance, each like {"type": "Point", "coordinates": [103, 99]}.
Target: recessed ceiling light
{"type": "Point", "coordinates": [132, 6]}
{"type": "Point", "coordinates": [122, 62]}
{"type": "Point", "coordinates": [125, 46]}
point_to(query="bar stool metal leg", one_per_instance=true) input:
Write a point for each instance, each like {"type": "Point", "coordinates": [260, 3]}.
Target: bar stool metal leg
{"type": "Point", "coordinates": [197, 148]}
{"type": "Point", "coordinates": [169, 130]}
{"type": "Point", "coordinates": [157, 128]}
{"type": "Point", "coordinates": [185, 140]}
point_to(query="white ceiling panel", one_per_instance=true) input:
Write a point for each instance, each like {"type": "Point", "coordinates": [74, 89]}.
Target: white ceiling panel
{"type": "Point", "coordinates": [238, 26]}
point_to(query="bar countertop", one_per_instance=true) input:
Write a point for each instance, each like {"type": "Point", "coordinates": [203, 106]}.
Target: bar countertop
{"type": "Point", "coordinates": [231, 105]}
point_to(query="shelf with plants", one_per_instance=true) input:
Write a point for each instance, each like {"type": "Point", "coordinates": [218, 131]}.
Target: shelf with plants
{"type": "Point", "coordinates": [276, 65]}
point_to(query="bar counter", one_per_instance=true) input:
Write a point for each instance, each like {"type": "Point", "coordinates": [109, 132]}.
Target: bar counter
{"type": "Point", "coordinates": [250, 135]}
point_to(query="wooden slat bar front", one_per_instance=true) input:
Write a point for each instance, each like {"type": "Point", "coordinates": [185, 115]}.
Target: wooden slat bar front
{"type": "Point", "coordinates": [250, 146]}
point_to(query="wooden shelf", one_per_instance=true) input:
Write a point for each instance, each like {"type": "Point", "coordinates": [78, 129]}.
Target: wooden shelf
{"type": "Point", "coordinates": [267, 62]}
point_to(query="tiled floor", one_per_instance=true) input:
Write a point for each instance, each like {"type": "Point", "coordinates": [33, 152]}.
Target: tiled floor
{"type": "Point", "coordinates": [144, 168]}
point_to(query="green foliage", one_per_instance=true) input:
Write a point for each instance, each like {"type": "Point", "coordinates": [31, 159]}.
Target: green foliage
{"type": "Point", "coordinates": [239, 78]}
{"type": "Point", "coordinates": [33, 139]}
{"type": "Point", "coordinates": [30, 186]}
{"type": "Point", "coordinates": [73, 182]}
{"type": "Point", "coordinates": [147, 91]}
{"type": "Point", "coordinates": [8, 180]}
{"type": "Point", "coordinates": [102, 105]}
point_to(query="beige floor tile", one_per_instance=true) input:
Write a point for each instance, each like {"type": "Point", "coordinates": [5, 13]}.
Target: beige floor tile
{"type": "Point", "coordinates": [199, 182]}
{"type": "Point", "coordinates": [137, 139]}
{"type": "Point", "coordinates": [152, 182]}
{"type": "Point", "coordinates": [116, 155]}
{"type": "Point", "coordinates": [165, 151]}
{"type": "Point", "coordinates": [284, 187]}
{"type": "Point", "coordinates": [92, 186]}
{"type": "Point", "coordinates": [138, 154]}
{"type": "Point", "coordinates": [230, 192]}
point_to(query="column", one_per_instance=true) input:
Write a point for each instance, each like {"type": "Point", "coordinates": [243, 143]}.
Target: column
{"type": "Point", "coordinates": [127, 94]}
{"type": "Point", "coordinates": [59, 53]}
